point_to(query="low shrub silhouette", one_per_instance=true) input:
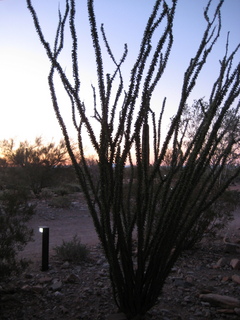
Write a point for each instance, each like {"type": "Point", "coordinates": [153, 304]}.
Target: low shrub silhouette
{"type": "Point", "coordinates": [73, 251]}
{"type": "Point", "coordinates": [15, 211]}
{"type": "Point", "coordinates": [60, 202]}
{"type": "Point", "coordinates": [213, 220]}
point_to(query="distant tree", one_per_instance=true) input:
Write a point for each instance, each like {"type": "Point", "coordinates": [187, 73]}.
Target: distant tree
{"type": "Point", "coordinates": [143, 222]}
{"type": "Point", "coordinates": [229, 129]}
{"type": "Point", "coordinates": [36, 161]}
{"type": "Point", "coordinates": [219, 214]}
{"type": "Point", "coordinates": [38, 153]}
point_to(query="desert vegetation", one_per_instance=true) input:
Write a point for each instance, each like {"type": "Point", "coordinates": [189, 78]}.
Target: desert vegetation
{"type": "Point", "coordinates": [29, 172]}
{"type": "Point", "coordinates": [15, 212]}
{"type": "Point", "coordinates": [144, 221]}
{"type": "Point", "coordinates": [34, 166]}
{"type": "Point", "coordinates": [72, 251]}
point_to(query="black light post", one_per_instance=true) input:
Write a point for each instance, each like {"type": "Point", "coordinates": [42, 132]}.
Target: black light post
{"type": "Point", "coordinates": [45, 247]}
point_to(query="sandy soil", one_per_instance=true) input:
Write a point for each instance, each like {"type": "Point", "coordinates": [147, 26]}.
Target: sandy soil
{"type": "Point", "coordinates": [91, 296]}
{"type": "Point", "coordinates": [64, 224]}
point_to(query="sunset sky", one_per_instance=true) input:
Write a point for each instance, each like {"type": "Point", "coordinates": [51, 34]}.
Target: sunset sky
{"type": "Point", "coordinates": [26, 109]}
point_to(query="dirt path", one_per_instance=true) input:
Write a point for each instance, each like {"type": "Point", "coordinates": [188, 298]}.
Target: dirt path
{"type": "Point", "coordinates": [64, 224]}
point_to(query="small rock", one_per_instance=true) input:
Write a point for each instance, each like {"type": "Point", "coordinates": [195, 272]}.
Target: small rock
{"type": "Point", "coordinates": [178, 282]}
{"type": "Point", "coordinates": [65, 265]}
{"type": "Point", "coordinates": [45, 279]}
{"type": "Point", "coordinates": [198, 313]}
{"type": "Point", "coordinates": [205, 304]}
{"type": "Point", "coordinates": [187, 299]}
{"type": "Point", "coordinates": [100, 284]}
{"type": "Point", "coordinates": [226, 311]}
{"type": "Point", "coordinates": [189, 279]}
{"type": "Point", "coordinates": [220, 300]}
{"type": "Point", "coordinates": [236, 278]}
{"type": "Point", "coordinates": [37, 288]}
{"type": "Point", "coordinates": [99, 262]}
{"type": "Point", "coordinates": [225, 279]}
{"type": "Point", "coordinates": [26, 287]}
{"type": "Point", "coordinates": [72, 278]}
{"type": "Point", "coordinates": [56, 286]}
{"type": "Point", "coordinates": [63, 310]}
{"type": "Point", "coordinates": [235, 264]}
{"type": "Point", "coordinates": [222, 262]}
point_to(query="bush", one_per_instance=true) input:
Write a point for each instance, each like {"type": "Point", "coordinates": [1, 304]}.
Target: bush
{"type": "Point", "coordinates": [215, 219]}
{"type": "Point", "coordinates": [14, 234]}
{"type": "Point", "coordinates": [61, 191]}
{"type": "Point", "coordinates": [72, 188]}
{"type": "Point", "coordinates": [60, 202]}
{"type": "Point", "coordinates": [46, 193]}
{"type": "Point", "coordinates": [67, 188]}
{"type": "Point", "coordinates": [72, 251]}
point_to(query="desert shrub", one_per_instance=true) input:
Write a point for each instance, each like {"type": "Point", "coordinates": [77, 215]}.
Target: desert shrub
{"type": "Point", "coordinates": [61, 191]}
{"type": "Point", "coordinates": [66, 189]}
{"type": "Point", "coordinates": [73, 187]}
{"type": "Point", "coordinates": [60, 202]}
{"type": "Point", "coordinates": [63, 175]}
{"type": "Point", "coordinates": [73, 251]}
{"type": "Point", "coordinates": [14, 177]}
{"type": "Point", "coordinates": [15, 211]}
{"type": "Point", "coordinates": [223, 209]}
{"type": "Point", "coordinates": [215, 219]}
{"type": "Point", "coordinates": [46, 193]}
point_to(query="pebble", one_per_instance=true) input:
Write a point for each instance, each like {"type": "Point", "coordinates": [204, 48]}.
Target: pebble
{"type": "Point", "coordinates": [72, 278]}
{"type": "Point", "coordinates": [66, 265]}
{"type": "Point", "coordinates": [45, 279]}
{"type": "Point", "coordinates": [235, 264]}
{"type": "Point", "coordinates": [84, 293]}
{"type": "Point", "coordinates": [236, 278]}
{"type": "Point", "coordinates": [56, 286]}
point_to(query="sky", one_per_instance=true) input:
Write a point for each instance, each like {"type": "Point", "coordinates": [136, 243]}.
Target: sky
{"type": "Point", "coordinates": [25, 103]}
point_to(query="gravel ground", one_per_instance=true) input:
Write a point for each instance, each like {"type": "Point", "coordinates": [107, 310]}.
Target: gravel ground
{"type": "Point", "coordinates": [83, 292]}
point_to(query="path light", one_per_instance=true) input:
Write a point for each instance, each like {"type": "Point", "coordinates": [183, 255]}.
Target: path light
{"type": "Point", "coordinates": [45, 247]}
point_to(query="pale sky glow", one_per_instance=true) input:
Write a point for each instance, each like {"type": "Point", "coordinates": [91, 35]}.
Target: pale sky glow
{"type": "Point", "coordinates": [26, 109]}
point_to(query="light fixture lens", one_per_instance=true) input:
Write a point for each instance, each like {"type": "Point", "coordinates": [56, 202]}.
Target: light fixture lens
{"type": "Point", "coordinates": [41, 230]}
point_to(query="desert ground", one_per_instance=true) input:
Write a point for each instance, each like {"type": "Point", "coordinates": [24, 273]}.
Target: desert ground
{"type": "Point", "coordinates": [65, 223]}
{"type": "Point", "coordinates": [83, 292]}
